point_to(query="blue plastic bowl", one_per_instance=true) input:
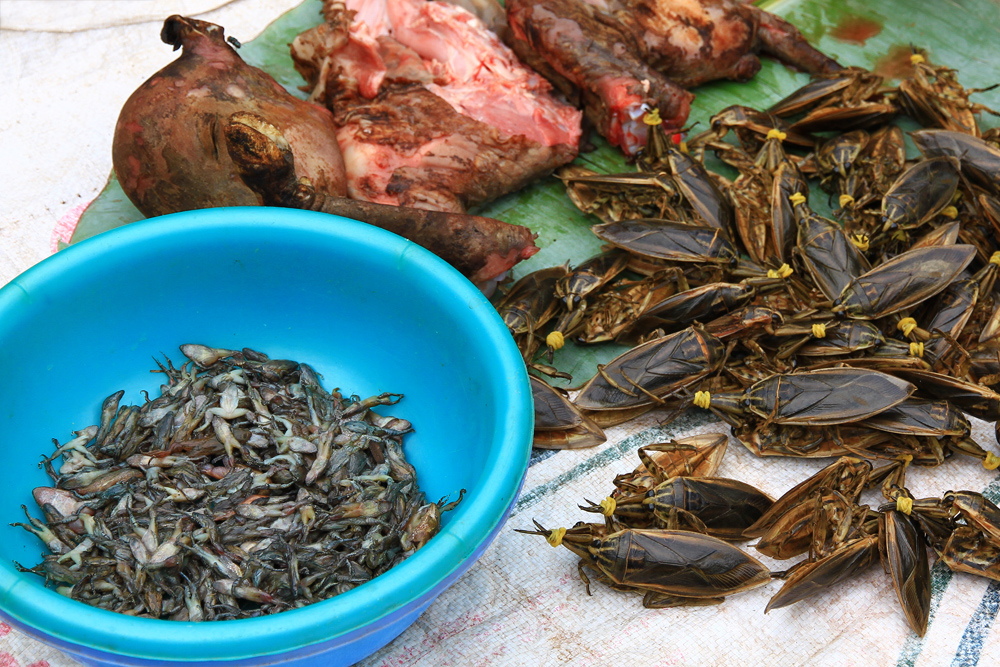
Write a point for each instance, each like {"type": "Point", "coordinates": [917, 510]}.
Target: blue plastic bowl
{"type": "Point", "coordinates": [369, 310]}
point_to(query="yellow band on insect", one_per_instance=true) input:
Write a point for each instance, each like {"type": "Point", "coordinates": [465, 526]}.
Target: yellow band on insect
{"type": "Point", "coordinates": [916, 349]}
{"type": "Point", "coordinates": [860, 241]}
{"type": "Point", "coordinates": [782, 272]}
{"type": "Point", "coordinates": [906, 325]}
{"type": "Point", "coordinates": [776, 134]}
{"type": "Point", "coordinates": [916, 59]}
{"type": "Point", "coordinates": [995, 258]}
{"type": "Point", "coordinates": [555, 340]}
{"type": "Point", "coordinates": [906, 459]}
{"type": "Point", "coordinates": [652, 118]}
{"type": "Point", "coordinates": [846, 200]}
{"type": "Point", "coordinates": [797, 198]}
{"type": "Point", "coordinates": [904, 504]}
{"type": "Point", "coordinates": [819, 330]}
{"type": "Point", "coordinates": [683, 147]}
{"type": "Point", "coordinates": [556, 536]}
{"type": "Point", "coordinates": [608, 506]}
{"type": "Point", "coordinates": [992, 461]}
{"type": "Point", "coordinates": [703, 399]}
{"type": "Point", "coordinates": [950, 212]}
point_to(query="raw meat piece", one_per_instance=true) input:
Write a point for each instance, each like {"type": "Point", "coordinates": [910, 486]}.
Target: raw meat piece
{"type": "Point", "coordinates": [483, 249]}
{"type": "Point", "coordinates": [433, 111]}
{"type": "Point", "coordinates": [619, 55]}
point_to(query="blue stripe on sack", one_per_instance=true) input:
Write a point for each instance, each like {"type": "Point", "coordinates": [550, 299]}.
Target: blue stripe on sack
{"type": "Point", "coordinates": [539, 455]}
{"type": "Point", "coordinates": [971, 645]}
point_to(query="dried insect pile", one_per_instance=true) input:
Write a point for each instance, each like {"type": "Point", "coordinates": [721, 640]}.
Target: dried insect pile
{"type": "Point", "coordinates": [741, 299]}
{"type": "Point", "coordinates": [668, 527]}
{"type": "Point", "coordinates": [244, 489]}
{"type": "Point", "coordinates": [870, 334]}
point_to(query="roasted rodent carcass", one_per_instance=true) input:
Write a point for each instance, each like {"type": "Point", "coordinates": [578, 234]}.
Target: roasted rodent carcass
{"type": "Point", "coordinates": [618, 55]}
{"type": "Point", "coordinates": [433, 111]}
{"type": "Point", "coordinates": [167, 142]}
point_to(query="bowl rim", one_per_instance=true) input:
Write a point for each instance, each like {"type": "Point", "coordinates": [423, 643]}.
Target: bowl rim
{"type": "Point", "coordinates": [355, 611]}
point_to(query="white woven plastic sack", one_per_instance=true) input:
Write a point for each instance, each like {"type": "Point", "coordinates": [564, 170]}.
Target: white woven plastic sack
{"type": "Point", "coordinates": [523, 603]}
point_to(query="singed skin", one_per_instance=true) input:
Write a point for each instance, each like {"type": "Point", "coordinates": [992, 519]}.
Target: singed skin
{"type": "Point", "coordinates": [586, 52]}
{"type": "Point", "coordinates": [651, 51]}
{"type": "Point", "coordinates": [696, 40]}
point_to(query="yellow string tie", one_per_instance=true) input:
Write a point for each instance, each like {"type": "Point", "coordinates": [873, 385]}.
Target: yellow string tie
{"type": "Point", "coordinates": [916, 349]}
{"type": "Point", "coordinates": [995, 258]}
{"type": "Point", "coordinates": [992, 461]}
{"type": "Point", "coordinates": [555, 340]}
{"type": "Point", "coordinates": [860, 241]}
{"type": "Point", "coordinates": [906, 325]}
{"type": "Point", "coordinates": [555, 537]}
{"type": "Point", "coordinates": [950, 212]}
{"type": "Point", "coordinates": [916, 59]}
{"type": "Point", "coordinates": [819, 330]}
{"type": "Point", "coordinates": [608, 506]}
{"type": "Point", "coordinates": [904, 504]}
{"type": "Point", "coordinates": [846, 200]}
{"type": "Point", "coordinates": [782, 272]}
{"type": "Point", "coordinates": [776, 134]}
{"type": "Point", "coordinates": [652, 118]}
{"type": "Point", "coordinates": [797, 198]}
{"type": "Point", "coordinates": [703, 399]}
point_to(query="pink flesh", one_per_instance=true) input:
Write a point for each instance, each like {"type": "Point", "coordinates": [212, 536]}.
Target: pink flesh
{"type": "Point", "coordinates": [472, 70]}
{"type": "Point", "coordinates": [363, 62]}
{"type": "Point", "coordinates": [497, 264]}
{"type": "Point", "coordinates": [375, 164]}
{"type": "Point", "coordinates": [627, 129]}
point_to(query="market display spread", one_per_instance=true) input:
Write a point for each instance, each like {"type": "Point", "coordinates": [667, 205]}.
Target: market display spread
{"type": "Point", "coordinates": [864, 336]}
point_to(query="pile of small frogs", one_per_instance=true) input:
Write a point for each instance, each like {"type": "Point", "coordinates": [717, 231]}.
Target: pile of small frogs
{"type": "Point", "coordinates": [244, 489]}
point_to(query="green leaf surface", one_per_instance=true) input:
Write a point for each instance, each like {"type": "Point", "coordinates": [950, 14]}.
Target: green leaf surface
{"type": "Point", "coordinates": [963, 34]}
